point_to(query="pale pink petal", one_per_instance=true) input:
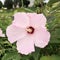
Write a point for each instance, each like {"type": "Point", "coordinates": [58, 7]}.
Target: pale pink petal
{"type": "Point", "coordinates": [37, 20]}
{"type": "Point", "coordinates": [21, 20]}
{"type": "Point", "coordinates": [15, 33]}
{"type": "Point", "coordinates": [25, 45]}
{"type": "Point", "coordinates": [1, 33]}
{"type": "Point", "coordinates": [42, 37]}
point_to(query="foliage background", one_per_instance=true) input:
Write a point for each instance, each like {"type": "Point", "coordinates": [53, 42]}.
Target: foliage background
{"type": "Point", "coordinates": [52, 51]}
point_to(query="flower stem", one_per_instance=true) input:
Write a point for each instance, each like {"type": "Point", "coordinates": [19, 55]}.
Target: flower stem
{"type": "Point", "coordinates": [22, 3]}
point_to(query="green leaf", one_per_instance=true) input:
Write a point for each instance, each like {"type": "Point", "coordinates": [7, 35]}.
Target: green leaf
{"type": "Point", "coordinates": [52, 1]}
{"type": "Point", "coordinates": [53, 57]}
{"type": "Point", "coordinates": [55, 7]}
{"type": "Point", "coordinates": [22, 9]}
{"type": "Point", "coordinates": [36, 54]}
{"type": "Point", "coordinates": [54, 27]}
{"type": "Point", "coordinates": [11, 56]}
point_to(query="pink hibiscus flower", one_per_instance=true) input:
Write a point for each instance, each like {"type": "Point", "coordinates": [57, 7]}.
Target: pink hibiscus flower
{"type": "Point", "coordinates": [29, 30]}
{"type": "Point", "coordinates": [1, 34]}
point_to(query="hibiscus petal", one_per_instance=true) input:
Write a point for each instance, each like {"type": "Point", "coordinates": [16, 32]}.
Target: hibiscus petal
{"type": "Point", "coordinates": [15, 33]}
{"type": "Point", "coordinates": [37, 20]}
{"type": "Point", "coordinates": [42, 37]}
{"type": "Point", "coordinates": [1, 33]}
{"type": "Point", "coordinates": [21, 20]}
{"type": "Point", "coordinates": [25, 45]}
{"type": "Point", "coordinates": [31, 3]}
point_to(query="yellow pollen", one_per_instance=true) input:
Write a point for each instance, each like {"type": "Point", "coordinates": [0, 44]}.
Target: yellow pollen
{"type": "Point", "coordinates": [29, 30]}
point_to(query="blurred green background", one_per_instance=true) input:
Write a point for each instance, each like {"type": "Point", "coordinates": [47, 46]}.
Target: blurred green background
{"type": "Point", "coordinates": [52, 12]}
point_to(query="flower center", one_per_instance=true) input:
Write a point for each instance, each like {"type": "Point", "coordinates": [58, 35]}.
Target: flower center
{"type": "Point", "coordinates": [30, 30]}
